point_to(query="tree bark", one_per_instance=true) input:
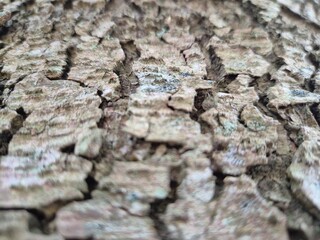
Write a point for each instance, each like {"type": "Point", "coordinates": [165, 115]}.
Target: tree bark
{"type": "Point", "coordinates": [145, 119]}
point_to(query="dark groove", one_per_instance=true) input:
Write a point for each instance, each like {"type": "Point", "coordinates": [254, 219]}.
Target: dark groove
{"type": "Point", "coordinates": [70, 54]}
{"type": "Point", "coordinates": [314, 108]}
{"type": "Point", "coordinates": [195, 114]}
{"type": "Point", "coordinates": [68, 5]}
{"type": "Point", "coordinates": [124, 69]}
{"type": "Point", "coordinates": [92, 184]}
{"type": "Point", "coordinates": [159, 207]}
{"type": "Point", "coordinates": [68, 149]}
{"type": "Point", "coordinates": [219, 184]}
{"type": "Point", "coordinates": [296, 235]}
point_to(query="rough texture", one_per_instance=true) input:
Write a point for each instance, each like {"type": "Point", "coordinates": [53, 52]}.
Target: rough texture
{"type": "Point", "coordinates": [242, 214]}
{"type": "Point", "coordinates": [10, 122]}
{"type": "Point", "coordinates": [57, 112]}
{"type": "Point", "coordinates": [145, 119]}
{"type": "Point", "coordinates": [22, 225]}
{"type": "Point", "coordinates": [304, 172]}
{"type": "Point", "coordinates": [40, 180]}
{"type": "Point", "coordinates": [4, 17]}
{"type": "Point", "coordinates": [98, 219]}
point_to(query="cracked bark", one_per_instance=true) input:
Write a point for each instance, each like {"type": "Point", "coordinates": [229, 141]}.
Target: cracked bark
{"type": "Point", "coordinates": [150, 119]}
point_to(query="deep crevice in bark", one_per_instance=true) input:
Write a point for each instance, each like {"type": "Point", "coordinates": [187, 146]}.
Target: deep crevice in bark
{"type": "Point", "coordinates": [158, 207]}
{"type": "Point", "coordinates": [124, 70]}
{"type": "Point", "coordinates": [70, 55]}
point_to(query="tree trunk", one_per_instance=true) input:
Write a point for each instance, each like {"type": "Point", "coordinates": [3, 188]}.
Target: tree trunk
{"type": "Point", "coordinates": [145, 119]}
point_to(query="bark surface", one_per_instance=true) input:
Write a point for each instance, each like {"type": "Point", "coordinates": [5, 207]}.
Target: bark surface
{"type": "Point", "coordinates": [164, 120]}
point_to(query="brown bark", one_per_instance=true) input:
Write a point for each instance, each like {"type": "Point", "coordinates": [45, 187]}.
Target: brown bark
{"type": "Point", "coordinates": [145, 119]}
